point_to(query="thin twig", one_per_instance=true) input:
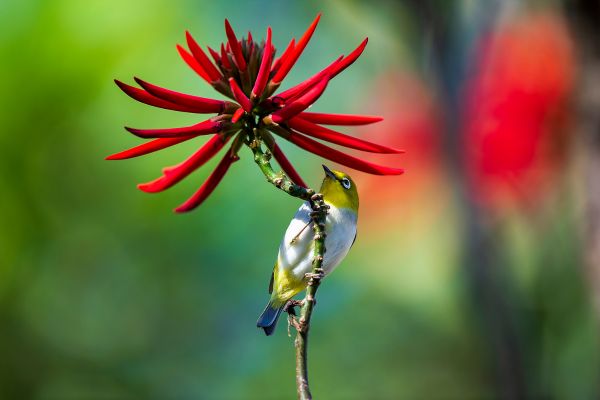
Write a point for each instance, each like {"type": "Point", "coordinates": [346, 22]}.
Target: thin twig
{"type": "Point", "coordinates": [318, 216]}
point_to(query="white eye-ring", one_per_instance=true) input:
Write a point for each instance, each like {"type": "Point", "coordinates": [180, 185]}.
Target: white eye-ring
{"type": "Point", "coordinates": [346, 183]}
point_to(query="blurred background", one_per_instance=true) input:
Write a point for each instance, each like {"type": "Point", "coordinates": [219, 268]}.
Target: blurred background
{"type": "Point", "coordinates": [476, 275]}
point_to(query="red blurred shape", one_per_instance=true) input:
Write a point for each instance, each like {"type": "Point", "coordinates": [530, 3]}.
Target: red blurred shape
{"type": "Point", "coordinates": [412, 122]}
{"type": "Point", "coordinates": [515, 111]}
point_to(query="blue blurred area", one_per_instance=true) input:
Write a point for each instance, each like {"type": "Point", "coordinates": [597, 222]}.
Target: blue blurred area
{"type": "Point", "coordinates": [106, 293]}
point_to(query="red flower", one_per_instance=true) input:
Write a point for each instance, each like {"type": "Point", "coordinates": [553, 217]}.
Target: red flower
{"type": "Point", "coordinates": [246, 72]}
{"type": "Point", "coordinates": [516, 112]}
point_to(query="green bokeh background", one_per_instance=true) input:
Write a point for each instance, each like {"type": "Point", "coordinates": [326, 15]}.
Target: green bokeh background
{"type": "Point", "coordinates": [105, 293]}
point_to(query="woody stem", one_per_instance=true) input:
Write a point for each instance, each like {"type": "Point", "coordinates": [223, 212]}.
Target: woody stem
{"type": "Point", "coordinates": [319, 212]}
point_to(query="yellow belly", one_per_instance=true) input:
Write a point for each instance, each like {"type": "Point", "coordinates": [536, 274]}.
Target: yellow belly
{"type": "Point", "coordinates": [286, 285]}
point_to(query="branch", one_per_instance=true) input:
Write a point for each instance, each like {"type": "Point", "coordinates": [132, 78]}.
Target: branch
{"type": "Point", "coordinates": [279, 179]}
{"type": "Point", "coordinates": [314, 280]}
{"type": "Point", "coordinates": [318, 215]}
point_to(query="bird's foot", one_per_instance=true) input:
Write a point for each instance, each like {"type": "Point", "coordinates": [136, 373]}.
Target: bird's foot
{"type": "Point", "coordinates": [317, 197]}
{"type": "Point", "coordinates": [318, 274]}
{"type": "Point", "coordinates": [289, 307]}
{"type": "Point", "coordinates": [292, 318]}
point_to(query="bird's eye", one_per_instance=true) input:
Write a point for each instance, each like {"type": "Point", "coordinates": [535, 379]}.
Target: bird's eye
{"type": "Point", "coordinates": [346, 183]}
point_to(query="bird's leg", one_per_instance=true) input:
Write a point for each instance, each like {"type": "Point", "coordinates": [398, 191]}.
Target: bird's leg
{"type": "Point", "coordinates": [289, 308]}
{"type": "Point", "coordinates": [318, 274]}
{"type": "Point", "coordinates": [314, 278]}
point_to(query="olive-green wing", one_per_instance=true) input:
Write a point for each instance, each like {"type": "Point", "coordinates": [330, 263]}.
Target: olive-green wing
{"type": "Point", "coordinates": [272, 279]}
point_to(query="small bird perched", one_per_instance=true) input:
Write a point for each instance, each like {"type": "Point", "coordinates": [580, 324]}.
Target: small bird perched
{"type": "Point", "coordinates": [296, 251]}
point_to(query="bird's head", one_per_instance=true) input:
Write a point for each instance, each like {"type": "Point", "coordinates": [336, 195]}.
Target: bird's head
{"type": "Point", "coordinates": [339, 190]}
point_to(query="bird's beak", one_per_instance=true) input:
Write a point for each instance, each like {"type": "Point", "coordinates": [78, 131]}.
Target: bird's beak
{"type": "Point", "coordinates": [329, 172]}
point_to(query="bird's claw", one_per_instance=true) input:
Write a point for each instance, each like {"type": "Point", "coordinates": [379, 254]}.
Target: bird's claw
{"type": "Point", "coordinates": [317, 274]}
{"type": "Point", "coordinates": [319, 212]}
{"type": "Point", "coordinates": [317, 197]}
{"type": "Point", "coordinates": [292, 318]}
{"type": "Point", "coordinates": [289, 306]}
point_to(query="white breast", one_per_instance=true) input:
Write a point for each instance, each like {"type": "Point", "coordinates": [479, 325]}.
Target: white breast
{"type": "Point", "coordinates": [296, 249]}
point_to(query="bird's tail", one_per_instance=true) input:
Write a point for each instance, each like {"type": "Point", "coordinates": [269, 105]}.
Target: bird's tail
{"type": "Point", "coordinates": [268, 318]}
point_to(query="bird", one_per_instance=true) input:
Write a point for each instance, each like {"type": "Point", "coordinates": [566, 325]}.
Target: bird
{"type": "Point", "coordinates": [296, 251]}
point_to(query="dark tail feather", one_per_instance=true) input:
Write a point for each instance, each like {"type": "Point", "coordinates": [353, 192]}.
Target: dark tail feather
{"type": "Point", "coordinates": [268, 318]}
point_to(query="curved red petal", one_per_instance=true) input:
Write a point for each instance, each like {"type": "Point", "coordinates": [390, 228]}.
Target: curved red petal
{"type": "Point", "coordinates": [216, 57]}
{"type": "Point", "coordinates": [301, 104]}
{"type": "Point", "coordinates": [202, 128]}
{"type": "Point", "coordinates": [339, 157]}
{"type": "Point", "coordinates": [349, 60]}
{"type": "Point", "coordinates": [302, 87]}
{"type": "Point", "coordinates": [339, 119]}
{"type": "Point", "coordinates": [265, 67]}
{"type": "Point", "coordinates": [330, 71]}
{"type": "Point", "coordinates": [225, 58]}
{"type": "Point", "coordinates": [289, 62]}
{"type": "Point", "coordinates": [237, 115]}
{"type": "Point", "coordinates": [148, 147]}
{"type": "Point", "coordinates": [193, 64]}
{"type": "Point", "coordinates": [202, 58]}
{"type": "Point", "coordinates": [236, 49]}
{"type": "Point", "coordinates": [146, 98]}
{"type": "Point", "coordinates": [201, 104]}
{"type": "Point", "coordinates": [332, 136]}
{"type": "Point", "coordinates": [286, 53]}
{"type": "Point", "coordinates": [174, 174]}
{"type": "Point", "coordinates": [239, 95]}
{"type": "Point", "coordinates": [287, 166]}
{"type": "Point", "coordinates": [209, 185]}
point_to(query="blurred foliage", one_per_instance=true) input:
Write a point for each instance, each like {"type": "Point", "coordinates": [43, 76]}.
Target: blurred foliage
{"type": "Point", "coordinates": [105, 293]}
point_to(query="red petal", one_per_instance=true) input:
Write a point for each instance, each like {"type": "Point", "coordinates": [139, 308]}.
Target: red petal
{"type": "Point", "coordinates": [176, 173]}
{"type": "Point", "coordinates": [331, 71]}
{"type": "Point", "coordinates": [214, 55]}
{"type": "Point", "coordinates": [237, 115]}
{"type": "Point", "coordinates": [239, 95]}
{"type": "Point", "coordinates": [337, 156]}
{"type": "Point", "coordinates": [209, 185]}
{"type": "Point", "coordinates": [146, 98]}
{"type": "Point", "coordinates": [332, 136]}
{"type": "Point", "coordinates": [289, 62]}
{"type": "Point", "coordinates": [301, 104]}
{"type": "Point", "coordinates": [225, 58]}
{"type": "Point", "coordinates": [249, 49]}
{"type": "Point", "coordinates": [278, 61]}
{"type": "Point", "coordinates": [202, 58]}
{"type": "Point", "coordinates": [265, 67]}
{"type": "Point", "coordinates": [339, 119]}
{"type": "Point", "coordinates": [346, 62]}
{"type": "Point", "coordinates": [193, 64]}
{"type": "Point", "coordinates": [287, 167]}
{"type": "Point", "coordinates": [302, 87]}
{"type": "Point", "coordinates": [202, 128]}
{"type": "Point", "coordinates": [148, 147]}
{"type": "Point", "coordinates": [236, 49]}
{"type": "Point", "coordinates": [200, 104]}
